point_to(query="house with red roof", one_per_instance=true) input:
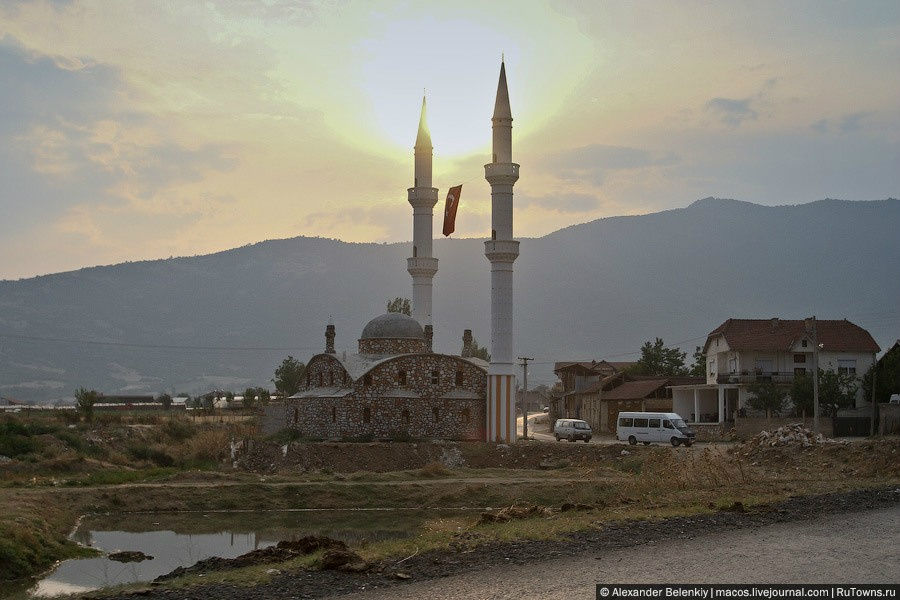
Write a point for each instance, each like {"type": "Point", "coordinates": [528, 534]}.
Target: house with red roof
{"type": "Point", "coordinates": [740, 352]}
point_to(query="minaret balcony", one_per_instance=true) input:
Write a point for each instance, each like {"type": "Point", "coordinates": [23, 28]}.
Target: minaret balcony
{"type": "Point", "coordinates": [422, 196]}
{"type": "Point", "coordinates": [422, 266]}
{"type": "Point", "coordinates": [501, 250]}
{"type": "Point", "coordinates": [501, 173]}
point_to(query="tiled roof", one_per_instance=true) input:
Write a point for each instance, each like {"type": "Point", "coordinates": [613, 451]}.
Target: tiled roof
{"type": "Point", "coordinates": [591, 365]}
{"type": "Point", "coordinates": [632, 390]}
{"type": "Point", "coordinates": [781, 334]}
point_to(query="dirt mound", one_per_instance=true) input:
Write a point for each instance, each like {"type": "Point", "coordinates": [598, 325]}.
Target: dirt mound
{"type": "Point", "coordinates": [284, 550]}
{"type": "Point", "coordinates": [342, 559]}
{"type": "Point", "coordinates": [794, 434]}
{"type": "Point", "coordinates": [515, 512]}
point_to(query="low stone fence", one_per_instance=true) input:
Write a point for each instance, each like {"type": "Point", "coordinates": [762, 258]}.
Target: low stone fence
{"type": "Point", "coordinates": [743, 428]}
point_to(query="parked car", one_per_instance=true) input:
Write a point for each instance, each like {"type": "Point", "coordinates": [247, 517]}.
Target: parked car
{"type": "Point", "coordinates": [648, 427]}
{"type": "Point", "coordinates": [895, 399]}
{"type": "Point", "coordinates": [572, 430]}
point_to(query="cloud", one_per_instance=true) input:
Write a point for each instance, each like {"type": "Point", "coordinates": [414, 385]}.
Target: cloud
{"type": "Point", "coordinates": [852, 122]}
{"type": "Point", "coordinates": [563, 203]}
{"type": "Point", "coordinates": [592, 163]}
{"type": "Point", "coordinates": [732, 111]}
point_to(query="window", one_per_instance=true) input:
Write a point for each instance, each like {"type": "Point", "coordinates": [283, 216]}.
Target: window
{"type": "Point", "coordinates": [367, 414]}
{"type": "Point", "coordinates": [667, 424]}
{"type": "Point", "coordinates": [367, 379]}
{"type": "Point", "coordinates": [712, 366]}
{"type": "Point", "coordinates": [465, 416]}
{"type": "Point", "coordinates": [435, 377]}
{"type": "Point", "coordinates": [640, 422]}
{"type": "Point", "coordinates": [296, 415]}
{"type": "Point", "coordinates": [654, 422]}
{"type": "Point", "coordinates": [765, 365]}
{"type": "Point", "coordinates": [626, 422]}
{"type": "Point", "coordinates": [437, 413]}
{"type": "Point", "coordinates": [406, 416]}
{"type": "Point", "coordinates": [800, 358]}
{"type": "Point", "coordinates": [799, 371]}
{"type": "Point", "coordinates": [333, 414]}
{"type": "Point", "coordinates": [804, 343]}
{"type": "Point", "coordinates": [732, 365]}
{"type": "Point", "coordinates": [459, 377]}
{"type": "Point", "coordinates": [401, 377]}
{"type": "Point", "coordinates": [847, 366]}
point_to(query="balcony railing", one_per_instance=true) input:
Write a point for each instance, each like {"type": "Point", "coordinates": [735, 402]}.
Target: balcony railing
{"type": "Point", "coordinates": [745, 377]}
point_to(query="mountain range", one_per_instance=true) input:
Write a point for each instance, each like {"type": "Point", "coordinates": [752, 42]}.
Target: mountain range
{"type": "Point", "coordinates": [594, 290]}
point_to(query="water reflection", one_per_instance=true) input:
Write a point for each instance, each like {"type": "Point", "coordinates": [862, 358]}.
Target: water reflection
{"type": "Point", "coordinates": [182, 539]}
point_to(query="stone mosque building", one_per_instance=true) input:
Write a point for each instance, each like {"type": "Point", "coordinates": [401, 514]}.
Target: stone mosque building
{"type": "Point", "coordinates": [396, 387]}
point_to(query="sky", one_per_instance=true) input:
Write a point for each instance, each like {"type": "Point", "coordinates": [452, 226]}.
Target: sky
{"type": "Point", "coordinates": [132, 129]}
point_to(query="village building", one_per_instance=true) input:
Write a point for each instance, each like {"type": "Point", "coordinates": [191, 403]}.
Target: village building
{"type": "Point", "coordinates": [395, 386]}
{"type": "Point", "coordinates": [740, 352]}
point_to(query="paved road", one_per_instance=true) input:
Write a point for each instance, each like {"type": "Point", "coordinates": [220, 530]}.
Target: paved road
{"type": "Point", "coordinates": [843, 548]}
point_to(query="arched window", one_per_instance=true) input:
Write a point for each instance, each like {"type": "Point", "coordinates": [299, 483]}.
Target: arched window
{"type": "Point", "coordinates": [465, 416]}
{"type": "Point", "coordinates": [459, 377]}
{"type": "Point", "coordinates": [333, 414]}
{"type": "Point", "coordinates": [401, 377]}
{"type": "Point", "coordinates": [296, 415]}
{"type": "Point", "coordinates": [415, 252]}
{"type": "Point", "coordinates": [435, 377]}
{"type": "Point", "coordinates": [367, 414]}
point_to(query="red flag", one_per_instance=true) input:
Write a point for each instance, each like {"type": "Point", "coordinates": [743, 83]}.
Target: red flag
{"type": "Point", "coordinates": [450, 209]}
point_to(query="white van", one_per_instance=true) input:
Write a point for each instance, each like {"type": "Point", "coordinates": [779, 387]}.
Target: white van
{"type": "Point", "coordinates": [648, 427]}
{"type": "Point", "coordinates": [572, 430]}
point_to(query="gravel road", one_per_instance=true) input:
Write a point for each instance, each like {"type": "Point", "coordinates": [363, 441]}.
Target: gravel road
{"type": "Point", "coordinates": [843, 548]}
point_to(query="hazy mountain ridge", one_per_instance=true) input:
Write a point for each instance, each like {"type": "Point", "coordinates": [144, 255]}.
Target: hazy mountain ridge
{"type": "Point", "coordinates": [590, 290]}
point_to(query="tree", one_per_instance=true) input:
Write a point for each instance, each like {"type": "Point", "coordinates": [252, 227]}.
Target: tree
{"type": "Point", "coordinates": [84, 402]}
{"type": "Point", "coordinates": [657, 359]}
{"type": "Point", "coordinates": [887, 380]}
{"type": "Point", "coordinates": [399, 305]}
{"type": "Point", "coordinates": [480, 351]}
{"type": "Point", "coordinates": [250, 397]}
{"type": "Point", "coordinates": [802, 395]}
{"type": "Point", "coordinates": [263, 395]}
{"type": "Point", "coordinates": [165, 400]}
{"type": "Point", "coordinates": [208, 401]}
{"type": "Point", "coordinates": [698, 369]}
{"type": "Point", "coordinates": [767, 396]}
{"type": "Point", "coordinates": [289, 376]}
{"type": "Point", "coordinates": [836, 391]}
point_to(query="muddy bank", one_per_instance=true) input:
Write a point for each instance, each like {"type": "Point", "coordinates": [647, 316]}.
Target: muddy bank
{"type": "Point", "coordinates": [465, 558]}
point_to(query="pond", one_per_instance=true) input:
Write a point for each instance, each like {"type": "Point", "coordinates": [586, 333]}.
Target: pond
{"type": "Point", "coordinates": [182, 539]}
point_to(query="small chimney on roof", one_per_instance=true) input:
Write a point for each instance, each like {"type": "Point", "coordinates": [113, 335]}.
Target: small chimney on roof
{"type": "Point", "coordinates": [467, 343]}
{"type": "Point", "coordinates": [329, 339]}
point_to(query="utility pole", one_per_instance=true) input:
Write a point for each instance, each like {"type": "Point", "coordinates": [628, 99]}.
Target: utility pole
{"type": "Point", "coordinates": [815, 338]}
{"type": "Point", "coordinates": [525, 360]}
{"type": "Point", "coordinates": [874, 404]}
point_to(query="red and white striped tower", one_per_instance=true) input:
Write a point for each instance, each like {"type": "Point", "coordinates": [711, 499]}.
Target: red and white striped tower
{"type": "Point", "coordinates": [501, 250]}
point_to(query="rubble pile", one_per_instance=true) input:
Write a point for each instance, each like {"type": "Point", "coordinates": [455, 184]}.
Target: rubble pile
{"type": "Point", "coordinates": [515, 512]}
{"type": "Point", "coordinates": [794, 434]}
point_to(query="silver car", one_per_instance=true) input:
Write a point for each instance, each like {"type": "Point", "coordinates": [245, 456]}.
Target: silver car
{"type": "Point", "coordinates": [572, 430]}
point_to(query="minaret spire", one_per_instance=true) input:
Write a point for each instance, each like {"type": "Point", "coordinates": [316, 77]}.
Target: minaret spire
{"type": "Point", "coordinates": [421, 265]}
{"type": "Point", "coordinates": [501, 250]}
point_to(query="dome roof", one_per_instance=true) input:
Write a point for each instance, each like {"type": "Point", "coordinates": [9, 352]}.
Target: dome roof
{"type": "Point", "coordinates": [393, 326]}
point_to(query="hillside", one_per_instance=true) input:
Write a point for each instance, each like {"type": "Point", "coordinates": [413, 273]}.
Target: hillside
{"type": "Point", "coordinates": [598, 289]}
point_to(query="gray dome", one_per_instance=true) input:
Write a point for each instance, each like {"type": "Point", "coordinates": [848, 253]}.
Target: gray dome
{"type": "Point", "coordinates": [392, 326]}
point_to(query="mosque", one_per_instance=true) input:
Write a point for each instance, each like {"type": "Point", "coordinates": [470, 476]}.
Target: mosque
{"type": "Point", "coordinates": [396, 387]}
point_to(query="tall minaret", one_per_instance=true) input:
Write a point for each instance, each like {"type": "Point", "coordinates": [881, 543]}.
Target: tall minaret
{"type": "Point", "coordinates": [502, 250]}
{"type": "Point", "coordinates": [422, 266]}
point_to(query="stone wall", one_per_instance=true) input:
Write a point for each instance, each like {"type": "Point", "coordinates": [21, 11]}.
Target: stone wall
{"type": "Point", "coordinates": [400, 397]}
{"type": "Point", "coordinates": [392, 346]}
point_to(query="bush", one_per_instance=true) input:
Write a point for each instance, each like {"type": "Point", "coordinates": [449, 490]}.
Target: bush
{"type": "Point", "coordinates": [15, 439]}
{"type": "Point", "coordinates": [286, 435]}
{"type": "Point", "coordinates": [143, 452]}
{"type": "Point", "coordinates": [179, 429]}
